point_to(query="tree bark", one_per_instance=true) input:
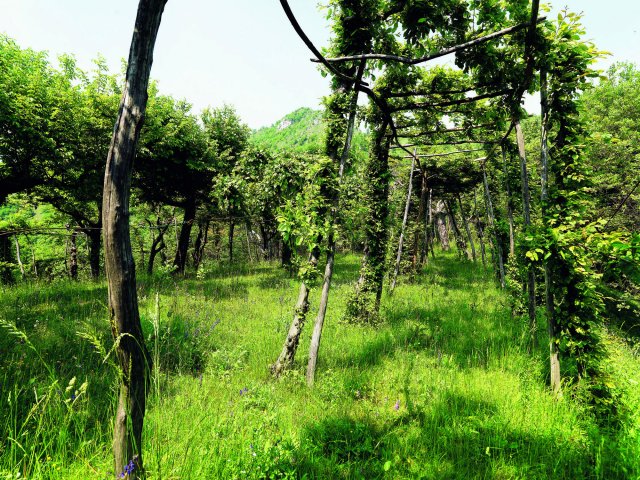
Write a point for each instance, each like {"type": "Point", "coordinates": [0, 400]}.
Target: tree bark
{"type": "Point", "coordinates": [201, 242]}
{"type": "Point", "coordinates": [133, 357]}
{"type": "Point", "coordinates": [479, 228]}
{"type": "Point", "coordinates": [182, 250]}
{"type": "Point", "coordinates": [404, 225]}
{"type": "Point", "coordinates": [94, 237]}
{"type": "Point", "coordinates": [526, 202]}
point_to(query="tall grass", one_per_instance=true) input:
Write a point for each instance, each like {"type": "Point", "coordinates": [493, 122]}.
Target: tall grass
{"type": "Point", "coordinates": [444, 388]}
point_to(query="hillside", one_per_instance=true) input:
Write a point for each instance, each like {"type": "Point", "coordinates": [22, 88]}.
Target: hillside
{"type": "Point", "coordinates": [302, 131]}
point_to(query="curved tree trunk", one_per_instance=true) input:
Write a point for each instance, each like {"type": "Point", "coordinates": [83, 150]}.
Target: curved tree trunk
{"type": "Point", "coordinates": [441, 225]}
{"type": "Point", "coordinates": [133, 357]}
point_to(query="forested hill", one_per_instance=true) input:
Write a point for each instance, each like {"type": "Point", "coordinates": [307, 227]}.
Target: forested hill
{"type": "Point", "coordinates": [301, 131]}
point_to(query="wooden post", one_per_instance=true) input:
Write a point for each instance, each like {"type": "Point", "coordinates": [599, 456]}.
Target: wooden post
{"type": "Point", "coordinates": [404, 224]}
{"type": "Point", "coordinates": [492, 223]}
{"type": "Point", "coordinates": [465, 222]}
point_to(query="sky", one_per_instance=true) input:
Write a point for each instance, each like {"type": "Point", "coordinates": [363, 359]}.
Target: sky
{"type": "Point", "coordinates": [241, 52]}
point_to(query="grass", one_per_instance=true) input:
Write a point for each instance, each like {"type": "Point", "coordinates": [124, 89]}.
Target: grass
{"type": "Point", "coordinates": [444, 388]}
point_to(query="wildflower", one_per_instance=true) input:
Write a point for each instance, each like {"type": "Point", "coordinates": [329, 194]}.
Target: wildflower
{"type": "Point", "coordinates": [243, 391]}
{"type": "Point", "coordinates": [129, 467]}
{"type": "Point", "coordinates": [396, 407]}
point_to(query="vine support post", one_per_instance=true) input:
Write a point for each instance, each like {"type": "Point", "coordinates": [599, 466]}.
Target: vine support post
{"type": "Point", "coordinates": [465, 222]}
{"type": "Point", "coordinates": [526, 203]}
{"type": "Point", "coordinates": [396, 269]}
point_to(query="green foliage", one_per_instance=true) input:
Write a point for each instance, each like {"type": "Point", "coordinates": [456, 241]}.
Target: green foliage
{"type": "Point", "coordinates": [443, 387]}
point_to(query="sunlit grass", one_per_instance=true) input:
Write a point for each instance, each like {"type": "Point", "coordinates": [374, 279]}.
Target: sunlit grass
{"type": "Point", "coordinates": [443, 388]}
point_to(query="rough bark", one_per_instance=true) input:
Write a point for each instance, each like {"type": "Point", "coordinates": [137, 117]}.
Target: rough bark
{"type": "Point", "coordinates": [201, 242]}
{"type": "Point", "coordinates": [479, 229]}
{"type": "Point", "coordinates": [133, 357]}
{"type": "Point", "coordinates": [94, 240]}
{"type": "Point", "coordinates": [182, 250]}
{"type": "Point", "coordinates": [396, 269]}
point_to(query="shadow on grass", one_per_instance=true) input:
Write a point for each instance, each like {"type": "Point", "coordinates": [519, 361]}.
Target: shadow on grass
{"type": "Point", "coordinates": [453, 438]}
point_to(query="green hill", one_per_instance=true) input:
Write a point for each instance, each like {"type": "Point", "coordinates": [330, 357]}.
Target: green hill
{"type": "Point", "coordinates": [300, 131]}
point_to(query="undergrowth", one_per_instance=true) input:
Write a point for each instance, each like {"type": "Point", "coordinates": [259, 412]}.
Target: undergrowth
{"type": "Point", "coordinates": [444, 387]}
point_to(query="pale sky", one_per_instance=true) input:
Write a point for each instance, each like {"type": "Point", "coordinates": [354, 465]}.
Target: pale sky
{"type": "Point", "coordinates": [241, 52]}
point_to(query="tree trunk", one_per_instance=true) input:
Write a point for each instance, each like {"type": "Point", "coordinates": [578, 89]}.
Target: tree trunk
{"type": "Point", "coordinates": [232, 227]}
{"type": "Point", "coordinates": [404, 224]}
{"type": "Point", "coordinates": [182, 250]}
{"type": "Point", "coordinates": [465, 222]}
{"type": "Point", "coordinates": [94, 237]}
{"type": "Point", "coordinates": [73, 255]}
{"type": "Point", "coordinates": [554, 354]}
{"type": "Point", "coordinates": [441, 225]}
{"type": "Point", "coordinates": [133, 357]}
{"type": "Point", "coordinates": [460, 243]}
{"type": "Point", "coordinates": [526, 202]}
{"type": "Point", "coordinates": [286, 254]}
{"type": "Point", "coordinates": [158, 243]}
{"type": "Point", "coordinates": [492, 224]}
{"type": "Point", "coordinates": [201, 243]}
{"type": "Point", "coordinates": [512, 243]}
{"type": "Point", "coordinates": [18, 258]}
{"type": "Point", "coordinates": [290, 347]}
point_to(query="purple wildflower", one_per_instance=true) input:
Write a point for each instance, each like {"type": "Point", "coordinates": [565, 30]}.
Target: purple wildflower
{"type": "Point", "coordinates": [396, 407]}
{"type": "Point", "coordinates": [243, 391]}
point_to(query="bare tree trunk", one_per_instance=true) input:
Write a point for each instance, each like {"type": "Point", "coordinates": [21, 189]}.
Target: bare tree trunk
{"type": "Point", "coordinates": [133, 357]}
{"type": "Point", "coordinates": [512, 243]}
{"type": "Point", "coordinates": [467, 229]}
{"type": "Point", "coordinates": [94, 236]}
{"type": "Point", "coordinates": [526, 202]}
{"type": "Point", "coordinates": [182, 250]}
{"type": "Point", "coordinates": [290, 347]}
{"type": "Point", "coordinates": [201, 242]}
{"type": "Point", "coordinates": [404, 225]}
{"type": "Point", "coordinates": [554, 354]}
{"type": "Point", "coordinates": [430, 233]}
{"type": "Point", "coordinates": [492, 223]}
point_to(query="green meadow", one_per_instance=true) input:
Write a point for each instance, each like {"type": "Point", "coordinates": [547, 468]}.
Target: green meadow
{"type": "Point", "coordinates": [445, 387]}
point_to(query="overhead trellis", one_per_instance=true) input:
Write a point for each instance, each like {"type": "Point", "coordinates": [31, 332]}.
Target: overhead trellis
{"type": "Point", "coordinates": [425, 113]}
